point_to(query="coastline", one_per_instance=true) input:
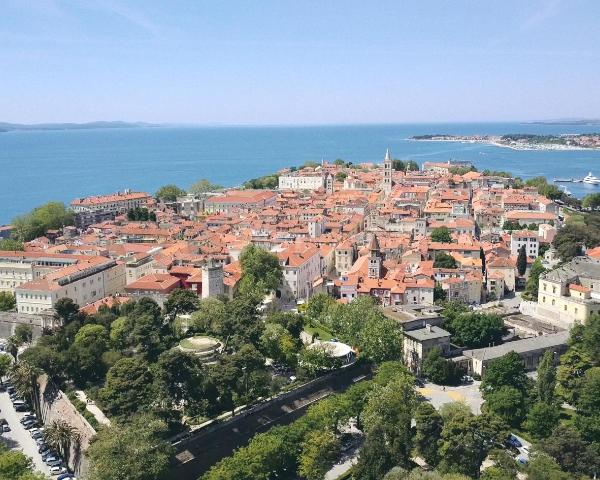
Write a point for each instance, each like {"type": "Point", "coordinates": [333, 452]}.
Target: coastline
{"type": "Point", "coordinates": [527, 147]}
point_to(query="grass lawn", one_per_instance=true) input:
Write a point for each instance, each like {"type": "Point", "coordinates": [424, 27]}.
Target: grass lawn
{"type": "Point", "coordinates": [573, 217]}
{"type": "Point", "coordinates": [320, 330]}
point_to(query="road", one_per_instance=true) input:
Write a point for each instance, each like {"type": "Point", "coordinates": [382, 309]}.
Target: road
{"type": "Point", "coordinates": [19, 438]}
{"type": "Point", "coordinates": [196, 456]}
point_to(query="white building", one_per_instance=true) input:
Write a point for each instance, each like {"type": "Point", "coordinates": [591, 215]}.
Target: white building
{"type": "Point", "coordinates": [527, 238]}
{"type": "Point", "coordinates": [87, 280]}
{"type": "Point", "coordinates": [302, 181]}
{"type": "Point", "coordinates": [301, 264]}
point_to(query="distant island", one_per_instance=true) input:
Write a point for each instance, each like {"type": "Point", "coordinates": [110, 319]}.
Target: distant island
{"type": "Point", "coordinates": [572, 121]}
{"type": "Point", "coordinates": [523, 141]}
{"type": "Point", "coordinates": [8, 127]}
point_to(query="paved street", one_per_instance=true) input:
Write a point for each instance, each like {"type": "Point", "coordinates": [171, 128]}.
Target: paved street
{"type": "Point", "coordinates": [19, 438]}
{"type": "Point", "coordinates": [438, 395]}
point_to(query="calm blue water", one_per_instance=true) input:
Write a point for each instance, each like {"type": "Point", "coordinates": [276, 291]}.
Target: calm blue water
{"type": "Point", "coordinates": [60, 165]}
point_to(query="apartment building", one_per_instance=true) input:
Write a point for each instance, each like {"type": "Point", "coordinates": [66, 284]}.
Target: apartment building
{"type": "Point", "coordinates": [527, 238]}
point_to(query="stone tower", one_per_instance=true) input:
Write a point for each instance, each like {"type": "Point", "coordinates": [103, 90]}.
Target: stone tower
{"type": "Point", "coordinates": [387, 172]}
{"type": "Point", "coordinates": [374, 258]}
{"type": "Point", "coordinates": [212, 280]}
{"type": "Point", "coordinates": [329, 183]}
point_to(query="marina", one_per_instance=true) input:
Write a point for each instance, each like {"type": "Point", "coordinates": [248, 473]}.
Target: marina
{"type": "Point", "coordinates": [589, 179]}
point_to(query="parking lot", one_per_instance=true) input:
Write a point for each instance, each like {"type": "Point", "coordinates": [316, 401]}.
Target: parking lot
{"type": "Point", "coordinates": [18, 438]}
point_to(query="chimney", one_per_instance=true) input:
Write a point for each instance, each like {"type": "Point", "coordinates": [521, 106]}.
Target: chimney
{"type": "Point", "coordinates": [428, 327]}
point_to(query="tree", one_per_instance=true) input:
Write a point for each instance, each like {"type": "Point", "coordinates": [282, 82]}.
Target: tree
{"type": "Point", "coordinates": [504, 468]}
{"type": "Point", "coordinates": [14, 465]}
{"type": "Point", "coordinates": [319, 451]}
{"type": "Point", "coordinates": [542, 419]}
{"type": "Point", "coordinates": [316, 360]}
{"type": "Point", "coordinates": [24, 378]}
{"type": "Point", "coordinates": [380, 338]}
{"type": "Point", "coordinates": [439, 370]}
{"type": "Point", "coordinates": [24, 333]}
{"type": "Point", "coordinates": [261, 271]}
{"type": "Point", "coordinates": [392, 407]}
{"type": "Point", "coordinates": [443, 260]}
{"type": "Point", "coordinates": [204, 186]}
{"type": "Point", "coordinates": [339, 162]}
{"type": "Point", "coordinates": [66, 309]}
{"type": "Point", "coordinates": [522, 261]}
{"type": "Point", "coordinates": [85, 354]}
{"type": "Point", "coordinates": [180, 380]}
{"type": "Point", "coordinates": [373, 460]}
{"type": "Point", "coordinates": [429, 425]}
{"type": "Point", "coordinates": [466, 442]}
{"type": "Point", "coordinates": [546, 378]}
{"type": "Point", "coordinates": [542, 466]}
{"type": "Point", "coordinates": [8, 301]}
{"type": "Point", "coordinates": [59, 434]}
{"type": "Point", "coordinates": [128, 387]}
{"type": "Point", "coordinates": [439, 294]}
{"type": "Point", "coordinates": [506, 371]}
{"type": "Point", "coordinates": [588, 402]}
{"type": "Point", "coordinates": [209, 317]}
{"type": "Point", "coordinates": [135, 450]}
{"type": "Point", "coordinates": [181, 301]}
{"type": "Point", "coordinates": [169, 193]}
{"type": "Point", "coordinates": [11, 244]}
{"type": "Point", "coordinates": [341, 176]}
{"type": "Point", "coordinates": [12, 346]}
{"type": "Point", "coordinates": [566, 445]}
{"type": "Point", "coordinates": [441, 234]}
{"type": "Point", "coordinates": [569, 375]}
{"type": "Point", "coordinates": [533, 282]}
{"type": "Point", "coordinates": [591, 200]}
{"type": "Point", "coordinates": [507, 403]}
{"type": "Point", "coordinates": [277, 343]}
{"type": "Point", "coordinates": [476, 329]}
{"type": "Point", "coordinates": [5, 364]}
{"type": "Point", "coordinates": [52, 215]}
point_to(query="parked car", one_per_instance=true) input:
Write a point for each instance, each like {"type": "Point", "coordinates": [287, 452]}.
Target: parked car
{"type": "Point", "coordinates": [55, 463]}
{"type": "Point", "coordinates": [65, 476]}
{"type": "Point", "coordinates": [29, 425]}
{"type": "Point", "coordinates": [43, 448]}
{"type": "Point", "coordinates": [27, 418]}
{"type": "Point", "coordinates": [20, 406]}
{"type": "Point", "coordinates": [5, 428]}
{"type": "Point", "coordinates": [52, 458]}
{"type": "Point", "coordinates": [514, 442]}
{"type": "Point", "coordinates": [57, 470]}
{"type": "Point", "coordinates": [49, 453]}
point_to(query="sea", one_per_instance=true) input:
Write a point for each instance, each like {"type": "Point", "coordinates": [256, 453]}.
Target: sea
{"type": "Point", "coordinates": [38, 166]}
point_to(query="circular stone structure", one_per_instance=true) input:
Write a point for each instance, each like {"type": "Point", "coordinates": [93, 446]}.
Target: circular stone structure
{"type": "Point", "coordinates": [207, 348]}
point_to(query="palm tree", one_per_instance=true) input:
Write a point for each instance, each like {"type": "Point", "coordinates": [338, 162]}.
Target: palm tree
{"type": "Point", "coordinates": [60, 435]}
{"type": "Point", "coordinates": [24, 378]}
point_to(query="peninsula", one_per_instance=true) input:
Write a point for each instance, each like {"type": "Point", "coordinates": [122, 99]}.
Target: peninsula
{"type": "Point", "coordinates": [523, 141]}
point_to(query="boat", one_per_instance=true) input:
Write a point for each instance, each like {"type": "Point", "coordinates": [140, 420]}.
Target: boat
{"type": "Point", "coordinates": [591, 179]}
{"type": "Point", "coordinates": [562, 180]}
{"type": "Point", "coordinates": [566, 191]}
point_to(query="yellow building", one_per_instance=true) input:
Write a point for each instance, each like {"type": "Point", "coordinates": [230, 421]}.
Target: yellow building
{"type": "Point", "coordinates": [571, 292]}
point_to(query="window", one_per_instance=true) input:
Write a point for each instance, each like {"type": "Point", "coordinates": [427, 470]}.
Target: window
{"type": "Point", "coordinates": [565, 308]}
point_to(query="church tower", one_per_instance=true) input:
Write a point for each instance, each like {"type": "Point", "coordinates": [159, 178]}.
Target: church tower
{"type": "Point", "coordinates": [374, 258]}
{"type": "Point", "coordinates": [387, 172]}
{"type": "Point", "coordinates": [329, 184]}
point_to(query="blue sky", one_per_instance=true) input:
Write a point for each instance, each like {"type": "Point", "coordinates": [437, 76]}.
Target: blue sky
{"type": "Point", "coordinates": [298, 61]}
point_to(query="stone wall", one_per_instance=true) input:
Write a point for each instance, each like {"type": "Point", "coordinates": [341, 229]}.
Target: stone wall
{"type": "Point", "coordinates": [10, 320]}
{"type": "Point", "coordinates": [54, 405]}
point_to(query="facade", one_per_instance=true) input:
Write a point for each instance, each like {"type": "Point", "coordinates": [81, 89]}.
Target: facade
{"type": "Point", "coordinates": [119, 202]}
{"type": "Point", "coordinates": [571, 292]}
{"type": "Point", "coordinates": [531, 350]}
{"type": "Point", "coordinates": [418, 343]}
{"type": "Point", "coordinates": [526, 238]}
{"type": "Point", "coordinates": [301, 181]}
{"type": "Point", "coordinates": [240, 200]}
{"type": "Point", "coordinates": [301, 264]}
{"type": "Point", "coordinates": [85, 281]}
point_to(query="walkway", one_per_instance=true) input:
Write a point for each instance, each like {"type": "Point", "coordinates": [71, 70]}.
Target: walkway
{"type": "Point", "coordinates": [91, 407]}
